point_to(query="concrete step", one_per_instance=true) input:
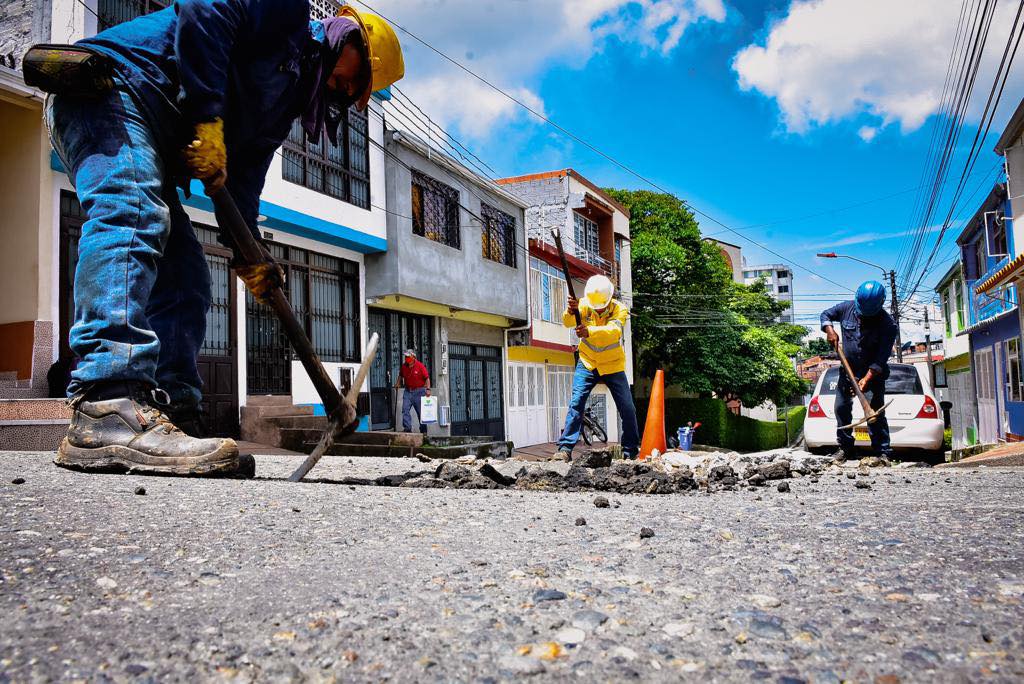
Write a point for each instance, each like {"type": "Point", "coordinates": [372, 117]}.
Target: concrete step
{"type": "Point", "coordinates": [267, 429]}
{"type": "Point", "coordinates": [8, 379]}
{"type": "Point", "coordinates": [268, 400]}
{"type": "Point", "coordinates": [23, 392]}
{"type": "Point", "coordinates": [39, 435]}
{"type": "Point", "coordinates": [34, 409]}
{"type": "Point", "coordinates": [274, 411]}
{"type": "Point", "coordinates": [33, 424]}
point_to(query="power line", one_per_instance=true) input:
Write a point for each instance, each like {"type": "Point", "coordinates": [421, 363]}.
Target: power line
{"type": "Point", "coordinates": [590, 146]}
{"type": "Point", "coordinates": [981, 134]}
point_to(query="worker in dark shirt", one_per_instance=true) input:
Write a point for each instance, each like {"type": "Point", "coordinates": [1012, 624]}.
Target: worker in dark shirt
{"type": "Point", "coordinates": [413, 376]}
{"type": "Point", "coordinates": [868, 333]}
{"type": "Point", "coordinates": [207, 90]}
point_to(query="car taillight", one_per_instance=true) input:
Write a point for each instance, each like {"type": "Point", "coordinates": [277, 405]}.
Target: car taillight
{"type": "Point", "coordinates": [814, 409]}
{"type": "Point", "coordinates": [928, 410]}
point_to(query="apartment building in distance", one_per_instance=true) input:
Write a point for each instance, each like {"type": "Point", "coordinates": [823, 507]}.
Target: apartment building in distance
{"type": "Point", "coordinates": [779, 279]}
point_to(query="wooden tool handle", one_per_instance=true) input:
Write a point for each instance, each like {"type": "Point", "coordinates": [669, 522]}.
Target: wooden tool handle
{"type": "Point", "coordinates": [248, 248]}
{"type": "Point", "coordinates": [557, 235]}
{"type": "Point", "coordinates": [864, 403]}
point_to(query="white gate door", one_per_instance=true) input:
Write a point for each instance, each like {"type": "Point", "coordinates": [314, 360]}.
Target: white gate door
{"type": "Point", "coordinates": [526, 420]}
{"type": "Point", "coordinates": [961, 415]}
{"type": "Point", "coordinates": [988, 418]}
{"type": "Point", "coordinates": [536, 418]}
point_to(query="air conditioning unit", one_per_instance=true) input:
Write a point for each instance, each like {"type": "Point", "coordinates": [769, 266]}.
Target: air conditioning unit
{"type": "Point", "coordinates": [444, 416]}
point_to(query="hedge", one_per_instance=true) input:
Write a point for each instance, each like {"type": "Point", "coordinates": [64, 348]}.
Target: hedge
{"type": "Point", "coordinates": [719, 427]}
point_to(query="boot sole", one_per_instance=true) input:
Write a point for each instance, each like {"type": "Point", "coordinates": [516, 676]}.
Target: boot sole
{"type": "Point", "coordinates": [116, 458]}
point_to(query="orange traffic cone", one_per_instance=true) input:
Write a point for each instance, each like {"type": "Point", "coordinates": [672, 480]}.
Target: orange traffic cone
{"type": "Point", "coordinates": [654, 427]}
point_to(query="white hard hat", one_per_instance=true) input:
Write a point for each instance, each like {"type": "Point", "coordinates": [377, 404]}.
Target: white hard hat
{"type": "Point", "coordinates": [599, 291]}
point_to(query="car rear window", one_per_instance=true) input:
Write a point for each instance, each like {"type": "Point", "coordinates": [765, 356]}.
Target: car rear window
{"type": "Point", "coordinates": [903, 379]}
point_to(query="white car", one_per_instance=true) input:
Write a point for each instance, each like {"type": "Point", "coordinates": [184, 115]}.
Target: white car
{"type": "Point", "coordinates": [915, 419]}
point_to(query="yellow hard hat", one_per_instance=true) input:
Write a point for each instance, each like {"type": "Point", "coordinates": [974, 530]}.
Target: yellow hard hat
{"type": "Point", "coordinates": [383, 49]}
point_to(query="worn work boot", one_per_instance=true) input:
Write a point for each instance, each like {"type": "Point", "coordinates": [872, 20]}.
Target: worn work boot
{"type": "Point", "coordinates": [841, 456]}
{"type": "Point", "coordinates": [115, 426]}
{"type": "Point", "coordinates": [187, 417]}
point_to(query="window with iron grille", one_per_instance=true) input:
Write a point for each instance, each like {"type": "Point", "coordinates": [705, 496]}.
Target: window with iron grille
{"type": "Point", "coordinates": [499, 235]}
{"type": "Point", "coordinates": [324, 293]}
{"type": "Point", "coordinates": [585, 235]}
{"type": "Point", "coordinates": [321, 9]}
{"type": "Point", "coordinates": [114, 12]}
{"type": "Point", "coordinates": [435, 210]}
{"type": "Point", "coordinates": [341, 171]}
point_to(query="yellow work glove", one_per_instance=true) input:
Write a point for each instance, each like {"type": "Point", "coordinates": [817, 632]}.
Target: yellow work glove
{"type": "Point", "coordinates": [262, 278]}
{"type": "Point", "coordinates": [205, 156]}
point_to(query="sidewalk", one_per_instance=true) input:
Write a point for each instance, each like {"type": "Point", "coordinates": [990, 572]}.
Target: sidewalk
{"type": "Point", "coordinates": [1009, 454]}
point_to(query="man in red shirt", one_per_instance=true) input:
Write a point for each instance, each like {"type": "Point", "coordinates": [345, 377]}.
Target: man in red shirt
{"type": "Point", "coordinates": [414, 377]}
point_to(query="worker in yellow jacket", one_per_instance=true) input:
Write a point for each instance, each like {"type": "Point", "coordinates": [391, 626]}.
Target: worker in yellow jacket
{"type": "Point", "coordinates": [602, 359]}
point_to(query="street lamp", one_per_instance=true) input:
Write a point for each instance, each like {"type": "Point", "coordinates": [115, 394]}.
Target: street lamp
{"type": "Point", "coordinates": [892, 284]}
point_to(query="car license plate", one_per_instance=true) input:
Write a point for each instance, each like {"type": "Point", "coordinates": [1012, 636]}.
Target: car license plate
{"type": "Point", "coordinates": [861, 434]}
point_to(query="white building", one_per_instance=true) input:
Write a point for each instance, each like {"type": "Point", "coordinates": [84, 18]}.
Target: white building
{"type": "Point", "coordinates": [595, 235]}
{"type": "Point", "coordinates": [779, 279]}
{"type": "Point", "coordinates": [733, 257]}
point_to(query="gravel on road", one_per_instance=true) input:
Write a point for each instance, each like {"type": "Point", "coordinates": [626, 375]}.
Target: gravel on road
{"type": "Point", "coordinates": [919, 578]}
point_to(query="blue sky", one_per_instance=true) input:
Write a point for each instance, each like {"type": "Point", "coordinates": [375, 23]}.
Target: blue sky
{"type": "Point", "coordinates": [755, 112]}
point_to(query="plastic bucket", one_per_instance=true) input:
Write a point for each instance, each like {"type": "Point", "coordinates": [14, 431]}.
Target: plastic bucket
{"type": "Point", "coordinates": [685, 435]}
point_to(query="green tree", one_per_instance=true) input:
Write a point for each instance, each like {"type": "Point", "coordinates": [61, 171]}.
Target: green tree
{"type": "Point", "coordinates": [689, 318]}
{"type": "Point", "coordinates": [817, 346]}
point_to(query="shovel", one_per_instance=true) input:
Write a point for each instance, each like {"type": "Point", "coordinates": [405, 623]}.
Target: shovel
{"type": "Point", "coordinates": [870, 415]}
{"type": "Point", "coordinates": [341, 412]}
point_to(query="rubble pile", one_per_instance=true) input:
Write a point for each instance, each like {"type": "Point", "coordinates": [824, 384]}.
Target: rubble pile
{"type": "Point", "coordinates": [669, 473]}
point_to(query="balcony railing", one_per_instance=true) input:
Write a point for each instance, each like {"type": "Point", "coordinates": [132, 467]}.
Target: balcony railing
{"type": "Point", "coordinates": [989, 305]}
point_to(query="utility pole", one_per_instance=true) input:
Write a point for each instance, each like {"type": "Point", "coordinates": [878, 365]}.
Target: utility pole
{"type": "Point", "coordinates": [896, 316]}
{"type": "Point", "coordinates": [928, 346]}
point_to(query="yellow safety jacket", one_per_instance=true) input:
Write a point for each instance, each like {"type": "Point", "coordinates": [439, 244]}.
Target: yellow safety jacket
{"type": "Point", "coordinates": [604, 348]}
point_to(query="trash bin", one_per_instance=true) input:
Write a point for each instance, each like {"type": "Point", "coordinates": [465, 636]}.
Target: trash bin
{"type": "Point", "coordinates": [685, 435]}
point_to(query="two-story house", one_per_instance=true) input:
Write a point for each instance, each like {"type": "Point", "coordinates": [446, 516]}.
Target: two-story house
{"type": "Point", "coordinates": [986, 244]}
{"type": "Point", "coordinates": [322, 211]}
{"type": "Point", "coordinates": [954, 381]}
{"type": "Point", "coordinates": [595, 235]}
{"type": "Point", "coordinates": [451, 282]}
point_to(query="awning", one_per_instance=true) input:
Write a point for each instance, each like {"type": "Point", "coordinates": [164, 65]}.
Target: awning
{"type": "Point", "coordinates": [988, 321]}
{"type": "Point", "coordinates": [1006, 274]}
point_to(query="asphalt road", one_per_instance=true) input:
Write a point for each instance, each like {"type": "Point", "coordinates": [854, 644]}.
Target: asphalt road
{"type": "Point", "coordinates": [268, 580]}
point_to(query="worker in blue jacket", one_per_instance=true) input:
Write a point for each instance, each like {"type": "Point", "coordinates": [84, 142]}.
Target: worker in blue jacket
{"type": "Point", "coordinates": [868, 336]}
{"type": "Point", "coordinates": [204, 89]}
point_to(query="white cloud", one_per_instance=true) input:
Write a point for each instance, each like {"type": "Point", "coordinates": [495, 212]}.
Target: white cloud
{"type": "Point", "coordinates": [829, 60]}
{"type": "Point", "coordinates": [509, 42]}
{"type": "Point", "coordinates": [870, 236]}
{"type": "Point", "coordinates": [867, 133]}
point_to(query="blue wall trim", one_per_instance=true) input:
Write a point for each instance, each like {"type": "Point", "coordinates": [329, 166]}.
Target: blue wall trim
{"type": "Point", "coordinates": [283, 219]}
{"type": "Point", "coordinates": [297, 223]}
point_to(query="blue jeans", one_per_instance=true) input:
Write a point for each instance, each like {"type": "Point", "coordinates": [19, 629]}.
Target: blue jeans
{"type": "Point", "coordinates": [411, 400]}
{"type": "Point", "coordinates": [878, 429]}
{"type": "Point", "coordinates": [583, 382]}
{"type": "Point", "coordinates": [142, 286]}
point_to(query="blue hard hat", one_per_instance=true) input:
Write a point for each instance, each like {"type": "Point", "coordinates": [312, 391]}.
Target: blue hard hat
{"type": "Point", "coordinates": [870, 298]}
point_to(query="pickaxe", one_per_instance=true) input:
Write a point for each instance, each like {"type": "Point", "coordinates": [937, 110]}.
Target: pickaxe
{"type": "Point", "coordinates": [341, 412]}
{"type": "Point", "coordinates": [870, 415]}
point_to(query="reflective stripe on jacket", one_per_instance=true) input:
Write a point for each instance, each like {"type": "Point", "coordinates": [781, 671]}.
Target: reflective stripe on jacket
{"type": "Point", "coordinates": [604, 348]}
